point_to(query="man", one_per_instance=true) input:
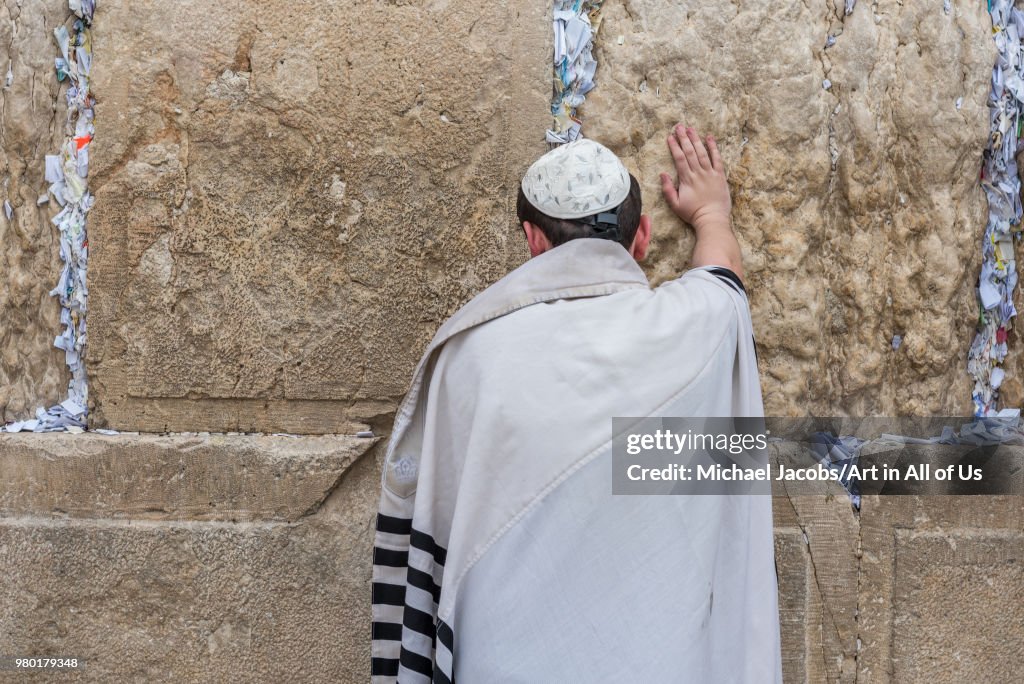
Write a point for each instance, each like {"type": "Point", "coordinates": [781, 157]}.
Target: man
{"type": "Point", "coordinates": [501, 554]}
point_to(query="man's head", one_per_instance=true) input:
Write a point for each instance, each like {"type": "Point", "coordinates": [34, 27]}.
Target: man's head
{"type": "Point", "coordinates": [581, 190]}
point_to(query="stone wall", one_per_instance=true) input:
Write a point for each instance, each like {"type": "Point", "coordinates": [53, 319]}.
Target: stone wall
{"type": "Point", "coordinates": [291, 200]}
{"type": "Point", "coordinates": [246, 559]}
{"type": "Point", "coordinates": [32, 111]}
{"type": "Point", "coordinates": [291, 197]}
{"type": "Point", "coordinates": [188, 558]}
{"type": "Point", "coordinates": [286, 215]}
{"type": "Point", "coordinates": [857, 206]}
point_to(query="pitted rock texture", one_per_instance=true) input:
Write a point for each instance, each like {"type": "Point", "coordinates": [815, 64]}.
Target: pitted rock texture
{"type": "Point", "coordinates": [291, 197]}
{"type": "Point", "coordinates": [858, 207]}
{"type": "Point", "coordinates": [32, 112]}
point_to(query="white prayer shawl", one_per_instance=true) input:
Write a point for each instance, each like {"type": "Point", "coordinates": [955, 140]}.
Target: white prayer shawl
{"type": "Point", "coordinates": [501, 554]}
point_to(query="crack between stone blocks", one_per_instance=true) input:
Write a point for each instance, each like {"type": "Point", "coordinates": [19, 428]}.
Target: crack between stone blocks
{"type": "Point", "coordinates": [832, 213]}
{"type": "Point", "coordinates": [860, 594]}
{"type": "Point", "coordinates": [36, 520]}
{"type": "Point", "coordinates": [3, 100]}
{"type": "Point", "coordinates": [817, 583]}
{"type": "Point", "coordinates": [318, 505]}
{"type": "Point", "coordinates": [627, 5]}
{"type": "Point", "coordinates": [826, 68]}
{"type": "Point", "coordinates": [890, 666]}
{"type": "Point", "coordinates": [10, 65]}
{"type": "Point", "coordinates": [186, 138]}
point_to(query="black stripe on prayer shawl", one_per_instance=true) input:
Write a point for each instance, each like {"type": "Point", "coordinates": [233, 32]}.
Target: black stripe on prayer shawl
{"type": "Point", "coordinates": [445, 643]}
{"type": "Point", "coordinates": [416, 662]}
{"type": "Point", "coordinates": [390, 557]}
{"type": "Point", "coordinates": [393, 525]}
{"type": "Point", "coordinates": [445, 635]}
{"type": "Point", "coordinates": [733, 280]}
{"type": "Point", "coordinates": [419, 621]}
{"type": "Point", "coordinates": [422, 580]}
{"type": "Point", "coordinates": [729, 277]}
{"type": "Point", "coordinates": [424, 542]}
{"type": "Point", "coordinates": [388, 594]}
{"type": "Point", "coordinates": [384, 667]}
{"type": "Point", "coordinates": [387, 631]}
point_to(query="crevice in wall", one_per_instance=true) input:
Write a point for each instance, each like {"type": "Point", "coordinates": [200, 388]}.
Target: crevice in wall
{"type": "Point", "coordinates": [860, 594]}
{"type": "Point", "coordinates": [1001, 181]}
{"type": "Point", "coordinates": [575, 23]}
{"type": "Point", "coordinates": [374, 445]}
{"type": "Point", "coordinates": [833, 212]}
{"type": "Point", "coordinates": [9, 76]}
{"type": "Point", "coordinates": [67, 172]}
{"type": "Point", "coordinates": [823, 592]}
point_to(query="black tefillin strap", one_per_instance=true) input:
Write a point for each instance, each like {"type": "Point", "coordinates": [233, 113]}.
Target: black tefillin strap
{"type": "Point", "coordinates": [605, 225]}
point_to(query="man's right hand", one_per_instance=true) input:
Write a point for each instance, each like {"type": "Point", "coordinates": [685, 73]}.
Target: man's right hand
{"type": "Point", "coordinates": [700, 193]}
{"type": "Point", "coordinates": [700, 196]}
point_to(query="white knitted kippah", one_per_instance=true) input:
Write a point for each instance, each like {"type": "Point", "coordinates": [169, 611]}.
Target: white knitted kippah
{"type": "Point", "coordinates": [575, 180]}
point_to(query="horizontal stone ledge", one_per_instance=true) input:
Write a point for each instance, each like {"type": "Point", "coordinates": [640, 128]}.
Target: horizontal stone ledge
{"type": "Point", "coordinates": [234, 414]}
{"type": "Point", "coordinates": [172, 477]}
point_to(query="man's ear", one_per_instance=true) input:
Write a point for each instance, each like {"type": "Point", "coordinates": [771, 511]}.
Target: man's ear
{"type": "Point", "coordinates": [642, 238]}
{"type": "Point", "coordinates": [536, 239]}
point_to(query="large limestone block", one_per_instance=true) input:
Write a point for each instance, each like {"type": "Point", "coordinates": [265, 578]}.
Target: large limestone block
{"type": "Point", "coordinates": [292, 196]}
{"type": "Point", "coordinates": [858, 206]}
{"type": "Point", "coordinates": [188, 602]}
{"type": "Point", "coordinates": [268, 598]}
{"type": "Point", "coordinates": [942, 589]}
{"type": "Point", "coordinates": [32, 113]}
{"type": "Point", "coordinates": [197, 477]}
{"type": "Point", "coordinates": [817, 552]}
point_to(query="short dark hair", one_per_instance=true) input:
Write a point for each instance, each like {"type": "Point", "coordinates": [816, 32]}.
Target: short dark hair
{"type": "Point", "coordinates": [560, 231]}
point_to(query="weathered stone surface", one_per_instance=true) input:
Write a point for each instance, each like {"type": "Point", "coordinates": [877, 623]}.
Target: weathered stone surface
{"type": "Point", "coordinates": [858, 207]}
{"type": "Point", "coordinates": [817, 551]}
{"type": "Point", "coordinates": [913, 589]}
{"type": "Point", "coordinates": [187, 601]}
{"type": "Point", "coordinates": [180, 602]}
{"type": "Point", "coordinates": [292, 199]}
{"type": "Point", "coordinates": [292, 196]}
{"type": "Point", "coordinates": [942, 589]}
{"type": "Point", "coordinates": [32, 372]}
{"type": "Point", "coordinates": [203, 477]}
{"type": "Point", "coordinates": [945, 582]}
